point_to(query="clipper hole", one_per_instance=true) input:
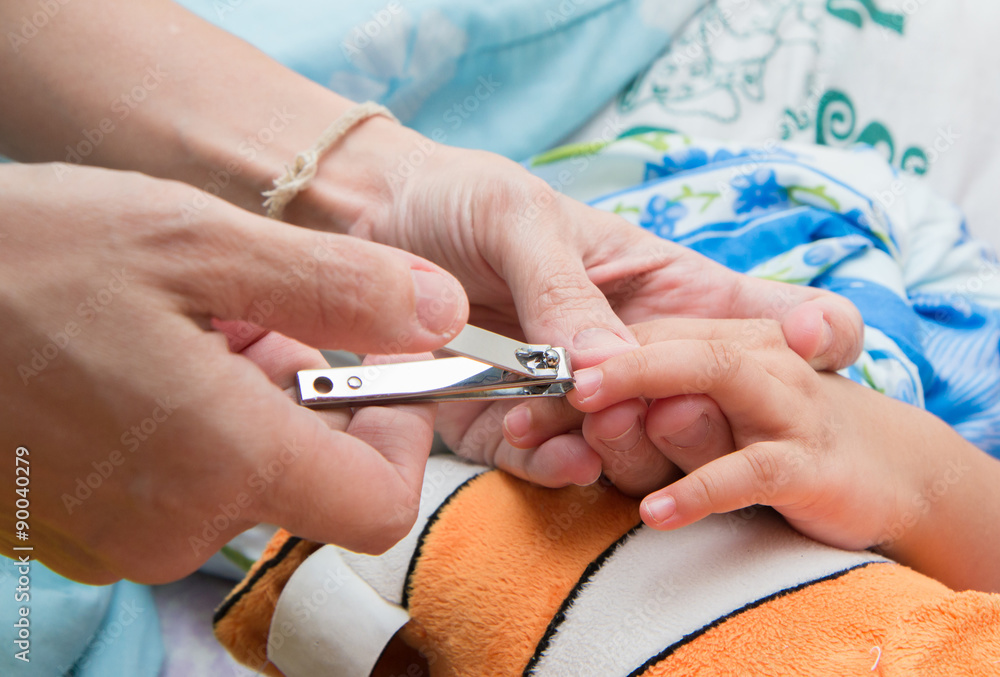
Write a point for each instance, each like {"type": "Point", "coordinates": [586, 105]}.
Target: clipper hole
{"type": "Point", "coordinates": [322, 385]}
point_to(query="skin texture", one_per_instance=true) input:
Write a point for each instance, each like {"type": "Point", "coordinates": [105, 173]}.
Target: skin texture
{"type": "Point", "coordinates": [751, 423]}
{"type": "Point", "coordinates": [223, 118]}
{"type": "Point", "coordinates": [145, 422]}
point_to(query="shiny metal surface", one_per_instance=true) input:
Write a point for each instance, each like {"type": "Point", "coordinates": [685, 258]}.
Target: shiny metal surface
{"type": "Point", "coordinates": [492, 367]}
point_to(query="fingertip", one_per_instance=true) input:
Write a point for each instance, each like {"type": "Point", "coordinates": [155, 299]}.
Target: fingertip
{"type": "Point", "coordinates": [658, 510]}
{"type": "Point", "coordinates": [517, 426]}
{"type": "Point", "coordinates": [531, 423]}
{"type": "Point", "coordinates": [440, 303]}
{"type": "Point", "coordinates": [564, 460]}
{"type": "Point", "coordinates": [683, 421]}
{"type": "Point", "coordinates": [804, 332]}
{"type": "Point", "coordinates": [827, 332]}
{"type": "Point", "coordinates": [586, 384]}
{"type": "Point", "coordinates": [616, 423]}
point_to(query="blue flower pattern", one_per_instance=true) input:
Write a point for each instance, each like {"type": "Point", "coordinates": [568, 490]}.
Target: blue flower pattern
{"type": "Point", "coordinates": [692, 158]}
{"type": "Point", "coordinates": [790, 218]}
{"type": "Point", "coordinates": [759, 190]}
{"type": "Point", "coordinates": [661, 215]}
{"type": "Point", "coordinates": [819, 255]}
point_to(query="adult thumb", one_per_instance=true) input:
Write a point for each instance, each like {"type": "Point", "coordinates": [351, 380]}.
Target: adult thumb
{"type": "Point", "coordinates": [326, 290]}
{"type": "Point", "coordinates": [558, 304]}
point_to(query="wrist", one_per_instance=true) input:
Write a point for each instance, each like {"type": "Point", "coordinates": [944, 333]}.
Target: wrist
{"type": "Point", "coordinates": [357, 179]}
{"type": "Point", "coordinates": [240, 158]}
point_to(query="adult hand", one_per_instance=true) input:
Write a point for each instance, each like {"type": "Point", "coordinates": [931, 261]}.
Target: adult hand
{"type": "Point", "coordinates": [149, 442]}
{"type": "Point", "coordinates": [539, 265]}
{"type": "Point", "coordinates": [225, 117]}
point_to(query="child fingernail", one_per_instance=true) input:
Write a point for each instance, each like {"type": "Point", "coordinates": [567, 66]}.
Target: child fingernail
{"type": "Point", "coordinates": [587, 382]}
{"type": "Point", "coordinates": [659, 508]}
{"type": "Point", "coordinates": [517, 422]}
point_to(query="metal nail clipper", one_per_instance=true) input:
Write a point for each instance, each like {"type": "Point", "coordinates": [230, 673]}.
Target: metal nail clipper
{"type": "Point", "coordinates": [490, 367]}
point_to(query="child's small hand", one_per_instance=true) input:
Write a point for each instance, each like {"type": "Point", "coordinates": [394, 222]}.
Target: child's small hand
{"type": "Point", "coordinates": [817, 447]}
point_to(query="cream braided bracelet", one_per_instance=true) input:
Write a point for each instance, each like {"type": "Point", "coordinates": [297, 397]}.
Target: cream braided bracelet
{"type": "Point", "coordinates": [298, 177]}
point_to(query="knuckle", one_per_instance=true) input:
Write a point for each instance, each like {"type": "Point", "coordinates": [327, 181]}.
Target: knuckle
{"type": "Point", "coordinates": [634, 364]}
{"type": "Point", "coordinates": [771, 333]}
{"type": "Point", "coordinates": [705, 487]}
{"type": "Point", "coordinates": [510, 207]}
{"type": "Point", "coordinates": [762, 466]}
{"type": "Point", "coordinates": [563, 293]}
{"type": "Point", "coordinates": [725, 359]}
{"type": "Point", "coordinates": [761, 333]}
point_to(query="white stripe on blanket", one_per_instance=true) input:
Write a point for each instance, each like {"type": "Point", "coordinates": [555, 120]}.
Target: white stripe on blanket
{"type": "Point", "coordinates": [666, 585]}
{"type": "Point", "coordinates": [387, 572]}
{"type": "Point", "coordinates": [329, 621]}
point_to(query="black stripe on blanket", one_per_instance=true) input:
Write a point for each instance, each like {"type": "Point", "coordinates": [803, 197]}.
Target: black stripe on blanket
{"type": "Point", "coordinates": [560, 616]}
{"type": "Point", "coordinates": [752, 605]}
{"type": "Point", "coordinates": [423, 537]}
{"type": "Point", "coordinates": [230, 601]}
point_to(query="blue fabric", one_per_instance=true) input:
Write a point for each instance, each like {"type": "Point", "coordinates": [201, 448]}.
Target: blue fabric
{"type": "Point", "coordinates": [513, 77]}
{"type": "Point", "coordinates": [83, 630]}
{"type": "Point", "coordinates": [929, 295]}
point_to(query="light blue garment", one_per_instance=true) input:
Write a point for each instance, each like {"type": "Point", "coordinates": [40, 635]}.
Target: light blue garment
{"type": "Point", "coordinates": [513, 76]}
{"type": "Point", "coordinates": [86, 631]}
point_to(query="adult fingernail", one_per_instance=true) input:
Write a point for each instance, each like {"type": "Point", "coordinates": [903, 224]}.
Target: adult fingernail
{"type": "Point", "coordinates": [587, 381]}
{"type": "Point", "coordinates": [517, 422]}
{"type": "Point", "coordinates": [693, 435]}
{"type": "Point", "coordinates": [659, 508]}
{"type": "Point", "coordinates": [437, 301]}
{"type": "Point", "coordinates": [598, 337]}
{"type": "Point", "coordinates": [595, 474]}
{"type": "Point", "coordinates": [627, 440]}
{"type": "Point", "coordinates": [827, 341]}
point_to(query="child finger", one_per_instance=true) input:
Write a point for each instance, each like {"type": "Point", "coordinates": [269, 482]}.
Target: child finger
{"type": "Point", "coordinates": [731, 375]}
{"type": "Point", "coordinates": [751, 476]}
{"type": "Point", "coordinates": [689, 430]}
{"type": "Point", "coordinates": [751, 333]}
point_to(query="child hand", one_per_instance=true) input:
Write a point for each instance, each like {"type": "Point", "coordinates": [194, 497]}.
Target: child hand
{"type": "Point", "coordinates": [817, 447]}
